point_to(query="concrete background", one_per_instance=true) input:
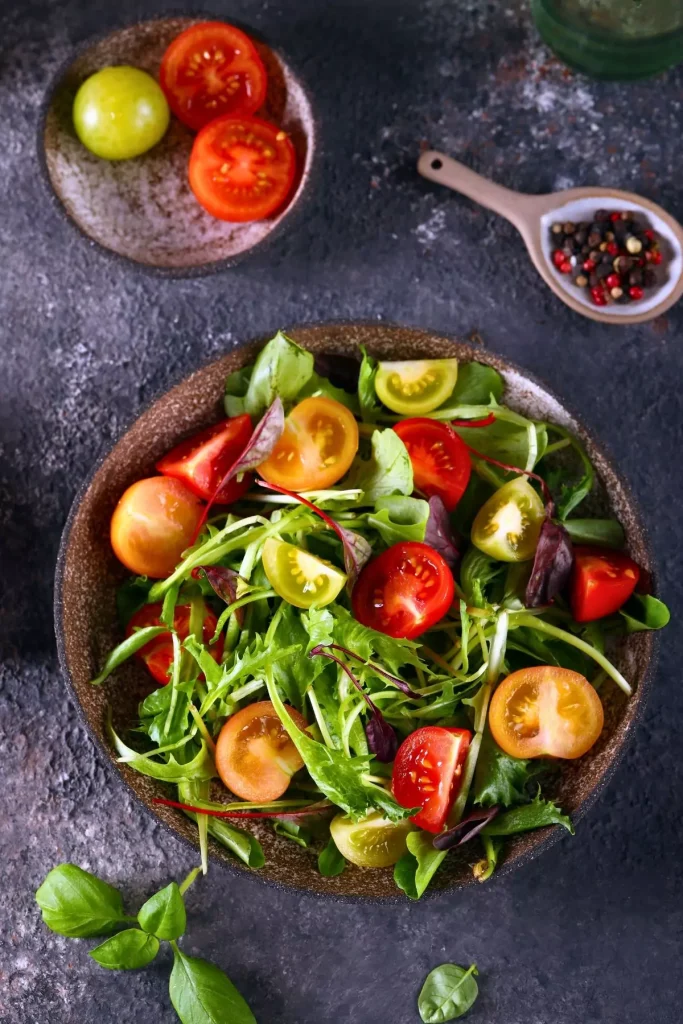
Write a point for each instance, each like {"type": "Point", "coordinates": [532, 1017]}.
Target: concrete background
{"type": "Point", "coordinates": [592, 931]}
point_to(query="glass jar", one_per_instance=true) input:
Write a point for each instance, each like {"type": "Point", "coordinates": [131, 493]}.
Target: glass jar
{"type": "Point", "coordinates": [617, 39]}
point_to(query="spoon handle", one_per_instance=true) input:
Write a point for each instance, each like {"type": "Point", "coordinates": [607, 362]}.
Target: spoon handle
{"type": "Point", "coordinates": [514, 206]}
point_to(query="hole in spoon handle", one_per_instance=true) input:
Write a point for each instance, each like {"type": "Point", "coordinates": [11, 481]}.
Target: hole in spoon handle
{"type": "Point", "coordinates": [446, 171]}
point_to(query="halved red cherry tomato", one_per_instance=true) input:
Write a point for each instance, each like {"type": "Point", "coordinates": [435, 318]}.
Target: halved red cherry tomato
{"type": "Point", "coordinates": [212, 69]}
{"type": "Point", "coordinates": [601, 582]}
{"type": "Point", "coordinates": [428, 773]}
{"type": "Point", "coordinates": [153, 523]}
{"type": "Point", "coordinates": [242, 168]}
{"type": "Point", "coordinates": [441, 461]}
{"type": "Point", "coordinates": [158, 653]}
{"type": "Point", "coordinates": [403, 591]}
{"type": "Point", "coordinates": [202, 461]}
{"type": "Point", "coordinates": [255, 757]}
{"type": "Point", "coordinates": [316, 448]}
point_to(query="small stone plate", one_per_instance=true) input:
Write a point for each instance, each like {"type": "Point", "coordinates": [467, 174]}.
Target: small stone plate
{"type": "Point", "coordinates": [88, 574]}
{"type": "Point", "coordinates": [143, 209]}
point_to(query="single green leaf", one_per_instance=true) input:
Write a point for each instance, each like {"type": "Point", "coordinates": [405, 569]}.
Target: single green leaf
{"type": "Point", "coordinates": [415, 870]}
{"type": "Point", "coordinates": [447, 994]}
{"type": "Point", "coordinates": [387, 471]}
{"type": "Point", "coordinates": [477, 572]}
{"type": "Point", "coordinates": [201, 766]}
{"type": "Point", "coordinates": [245, 846]}
{"type": "Point", "coordinates": [499, 778]}
{"type": "Point", "coordinates": [126, 951]}
{"type": "Point", "coordinates": [321, 387]}
{"type": "Point", "coordinates": [606, 533]}
{"type": "Point", "coordinates": [235, 390]}
{"type": "Point", "coordinates": [330, 861]}
{"type": "Point", "coordinates": [397, 518]}
{"type": "Point", "coordinates": [202, 994]}
{"type": "Point", "coordinates": [536, 814]}
{"type": "Point", "coordinates": [297, 833]}
{"type": "Point", "coordinates": [475, 385]}
{"type": "Point", "coordinates": [370, 405]}
{"type": "Point", "coordinates": [568, 489]}
{"type": "Point", "coordinates": [511, 439]}
{"type": "Point", "coordinates": [131, 596]}
{"type": "Point", "coordinates": [126, 649]}
{"type": "Point", "coordinates": [163, 914]}
{"type": "Point", "coordinates": [154, 713]}
{"type": "Point", "coordinates": [281, 370]}
{"type": "Point", "coordinates": [79, 905]}
{"type": "Point", "coordinates": [642, 612]}
{"type": "Point", "coordinates": [368, 643]}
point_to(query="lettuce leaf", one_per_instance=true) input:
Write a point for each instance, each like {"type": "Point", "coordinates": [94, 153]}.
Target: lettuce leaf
{"type": "Point", "coordinates": [397, 518]}
{"type": "Point", "coordinates": [281, 370]}
{"type": "Point", "coordinates": [387, 471]}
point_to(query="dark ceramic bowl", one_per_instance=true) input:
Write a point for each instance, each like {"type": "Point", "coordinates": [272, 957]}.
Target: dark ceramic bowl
{"type": "Point", "coordinates": [88, 574]}
{"type": "Point", "coordinates": [143, 209]}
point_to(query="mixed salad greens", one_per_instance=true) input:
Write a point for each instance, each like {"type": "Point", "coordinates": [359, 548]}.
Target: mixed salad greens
{"type": "Point", "coordinates": [372, 613]}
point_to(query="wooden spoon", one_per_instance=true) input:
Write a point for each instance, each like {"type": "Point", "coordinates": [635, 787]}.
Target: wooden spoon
{"type": "Point", "coordinates": [533, 217]}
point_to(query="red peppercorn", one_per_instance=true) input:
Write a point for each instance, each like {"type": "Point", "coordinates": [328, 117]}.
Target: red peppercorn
{"type": "Point", "coordinates": [650, 235]}
{"type": "Point", "coordinates": [598, 296]}
{"type": "Point", "coordinates": [636, 293]}
{"type": "Point", "coordinates": [613, 248]}
{"type": "Point", "coordinates": [589, 265]}
{"type": "Point", "coordinates": [613, 281]}
{"type": "Point", "coordinates": [642, 261]}
{"type": "Point", "coordinates": [649, 256]}
{"type": "Point", "coordinates": [558, 257]}
{"type": "Point", "coordinates": [615, 216]}
{"type": "Point", "coordinates": [656, 257]}
{"type": "Point", "coordinates": [565, 268]}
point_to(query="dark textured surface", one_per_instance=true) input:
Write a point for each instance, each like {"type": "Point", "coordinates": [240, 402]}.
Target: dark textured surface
{"type": "Point", "coordinates": [591, 932]}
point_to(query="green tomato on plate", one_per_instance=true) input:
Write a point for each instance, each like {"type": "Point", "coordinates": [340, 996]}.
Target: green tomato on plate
{"type": "Point", "coordinates": [120, 112]}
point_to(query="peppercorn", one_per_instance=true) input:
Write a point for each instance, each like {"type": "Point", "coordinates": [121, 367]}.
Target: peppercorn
{"type": "Point", "coordinates": [616, 293]}
{"type": "Point", "coordinates": [581, 281]}
{"type": "Point", "coordinates": [569, 228]}
{"type": "Point", "coordinates": [556, 229]}
{"type": "Point", "coordinates": [609, 236]}
{"type": "Point", "coordinates": [613, 248]}
{"type": "Point", "coordinates": [637, 277]}
{"type": "Point", "coordinates": [615, 216]}
{"type": "Point", "coordinates": [656, 257]}
{"type": "Point", "coordinates": [598, 297]}
{"type": "Point", "coordinates": [622, 264]}
{"type": "Point", "coordinates": [589, 264]}
{"type": "Point", "coordinates": [633, 244]}
{"type": "Point", "coordinates": [636, 293]}
{"type": "Point", "coordinates": [593, 280]}
{"type": "Point", "coordinates": [649, 278]}
{"type": "Point", "coordinates": [594, 239]}
{"type": "Point", "coordinates": [602, 215]}
{"type": "Point", "coordinates": [613, 281]}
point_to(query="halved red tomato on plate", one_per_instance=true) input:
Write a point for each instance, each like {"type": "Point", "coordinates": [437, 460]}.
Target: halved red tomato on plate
{"type": "Point", "coordinates": [428, 770]}
{"type": "Point", "coordinates": [440, 459]}
{"type": "Point", "coordinates": [203, 460]}
{"type": "Point", "coordinates": [602, 581]}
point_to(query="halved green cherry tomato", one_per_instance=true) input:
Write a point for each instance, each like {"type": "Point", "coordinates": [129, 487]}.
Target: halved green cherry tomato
{"type": "Point", "coordinates": [203, 460]}
{"type": "Point", "coordinates": [120, 112]}
{"type": "Point", "coordinates": [507, 526]}
{"type": "Point", "coordinates": [601, 582]}
{"type": "Point", "coordinates": [428, 771]}
{"type": "Point", "coordinates": [299, 577]}
{"type": "Point", "coordinates": [440, 459]}
{"type": "Point", "coordinates": [416, 386]}
{"type": "Point", "coordinates": [255, 757]}
{"type": "Point", "coordinates": [372, 842]}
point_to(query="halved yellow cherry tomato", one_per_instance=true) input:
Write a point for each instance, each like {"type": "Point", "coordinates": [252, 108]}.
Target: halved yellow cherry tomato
{"type": "Point", "coordinates": [416, 386]}
{"type": "Point", "coordinates": [373, 842]}
{"type": "Point", "coordinates": [507, 526]}
{"type": "Point", "coordinates": [153, 523]}
{"type": "Point", "coordinates": [317, 446]}
{"type": "Point", "coordinates": [299, 577]}
{"type": "Point", "coordinates": [546, 710]}
{"type": "Point", "coordinates": [255, 757]}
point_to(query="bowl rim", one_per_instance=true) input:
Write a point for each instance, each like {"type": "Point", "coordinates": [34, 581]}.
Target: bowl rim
{"type": "Point", "coordinates": [290, 215]}
{"type": "Point", "coordinates": [554, 833]}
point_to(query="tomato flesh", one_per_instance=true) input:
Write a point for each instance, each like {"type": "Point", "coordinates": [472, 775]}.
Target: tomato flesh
{"type": "Point", "coordinates": [416, 386]}
{"type": "Point", "coordinates": [316, 448]}
{"type": "Point", "coordinates": [372, 842]}
{"type": "Point", "coordinates": [153, 523]}
{"type": "Point", "coordinates": [255, 757]}
{"type": "Point", "coordinates": [545, 711]}
{"type": "Point", "coordinates": [602, 581]}
{"type": "Point", "coordinates": [158, 653]}
{"type": "Point", "coordinates": [299, 577]}
{"type": "Point", "coordinates": [210, 70]}
{"type": "Point", "coordinates": [428, 771]}
{"type": "Point", "coordinates": [242, 168]}
{"type": "Point", "coordinates": [440, 459]}
{"type": "Point", "coordinates": [508, 525]}
{"type": "Point", "coordinates": [403, 591]}
{"type": "Point", "coordinates": [202, 461]}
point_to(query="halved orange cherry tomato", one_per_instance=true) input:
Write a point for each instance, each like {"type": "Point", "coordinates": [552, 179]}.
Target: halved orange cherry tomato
{"type": "Point", "coordinates": [255, 757]}
{"type": "Point", "coordinates": [545, 710]}
{"type": "Point", "coordinates": [440, 459]}
{"type": "Point", "coordinates": [317, 446]}
{"type": "Point", "coordinates": [158, 653]}
{"type": "Point", "coordinates": [403, 591]}
{"type": "Point", "coordinates": [428, 773]}
{"type": "Point", "coordinates": [153, 523]}
{"type": "Point", "coordinates": [601, 582]}
{"type": "Point", "coordinates": [242, 168]}
{"type": "Point", "coordinates": [202, 461]}
{"type": "Point", "coordinates": [212, 69]}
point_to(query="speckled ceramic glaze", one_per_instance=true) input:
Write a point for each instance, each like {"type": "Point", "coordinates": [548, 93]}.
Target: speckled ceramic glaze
{"type": "Point", "coordinates": [143, 209]}
{"type": "Point", "coordinates": [88, 574]}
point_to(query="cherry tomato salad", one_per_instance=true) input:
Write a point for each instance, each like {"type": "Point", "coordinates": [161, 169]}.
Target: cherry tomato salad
{"type": "Point", "coordinates": [370, 614]}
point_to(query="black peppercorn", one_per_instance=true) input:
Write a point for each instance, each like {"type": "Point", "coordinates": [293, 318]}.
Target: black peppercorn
{"type": "Point", "coordinates": [602, 215]}
{"type": "Point", "coordinates": [594, 239]}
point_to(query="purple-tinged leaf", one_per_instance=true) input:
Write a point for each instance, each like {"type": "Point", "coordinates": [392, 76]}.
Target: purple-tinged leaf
{"type": "Point", "coordinates": [466, 829]}
{"type": "Point", "coordinates": [382, 739]}
{"type": "Point", "coordinates": [439, 535]}
{"type": "Point", "coordinates": [552, 566]}
{"type": "Point", "coordinates": [402, 686]}
{"type": "Point", "coordinates": [224, 583]}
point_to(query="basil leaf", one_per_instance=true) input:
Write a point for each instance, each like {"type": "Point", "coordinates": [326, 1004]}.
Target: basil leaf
{"type": "Point", "coordinates": [537, 814]}
{"type": "Point", "coordinates": [606, 533]}
{"type": "Point", "coordinates": [475, 385]}
{"type": "Point", "coordinates": [131, 596]}
{"type": "Point", "coordinates": [447, 994]}
{"type": "Point", "coordinates": [77, 904]}
{"type": "Point", "coordinates": [330, 861]}
{"type": "Point", "coordinates": [415, 870]}
{"type": "Point", "coordinates": [397, 518]}
{"type": "Point", "coordinates": [202, 994]}
{"type": "Point", "coordinates": [297, 833]}
{"type": "Point", "coordinates": [388, 470]}
{"type": "Point", "coordinates": [281, 369]}
{"type": "Point", "coordinates": [163, 914]}
{"type": "Point", "coordinates": [367, 397]}
{"type": "Point", "coordinates": [642, 612]}
{"type": "Point", "coordinates": [127, 951]}
{"type": "Point", "coordinates": [126, 649]}
{"type": "Point", "coordinates": [235, 390]}
{"type": "Point", "coordinates": [498, 778]}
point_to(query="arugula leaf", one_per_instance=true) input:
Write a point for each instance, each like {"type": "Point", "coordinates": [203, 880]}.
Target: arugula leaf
{"type": "Point", "coordinates": [397, 518]}
{"type": "Point", "coordinates": [241, 843]}
{"type": "Point", "coordinates": [127, 951]}
{"type": "Point", "coordinates": [499, 778]}
{"type": "Point", "coordinates": [202, 994]}
{"type": "Point", "coordinates": [370, 405]}
{"type": "Point", "coordinates": [77, 904]}
{"type": "Point", "coordinates": [607, 533]}
{"type": "Point", "coordinates": [131, 596]}
{"type": "Point", "coordinates": [367, 643]}
{"type": "Point", "coordinates": [537, 814]}
{"type": "Point", "coordinates": [164, 914]}
{"type": "Point", "coordinates": [571, 494]}
{"type": "Point", "coordinates": [477, 571]}
{"type": "Point", "coordinates": [415, 870]}
{"type": "Point", "coordinates": [330, 861]}
{"type": "Point", "coordinates": [236, 387]}
{"type": "Point", "coordinates": [281, 370]}
{"type": "Point", "coordinates": [290, 830]}
{"type": "Point", "coordinates": [475, 385]}
{"type": "Point", "coordinates": [388, 470]}
{"type": "Point", "coordinates": [642, 612]}
{"type": "Point", "coordinates": [154, 712]}
{"type": "Point", "coordinates": [447, 994]}
{"type": "Point", "coordinates": [201, 766]}
{"type": "Point", "coordinates": [126, 649]}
